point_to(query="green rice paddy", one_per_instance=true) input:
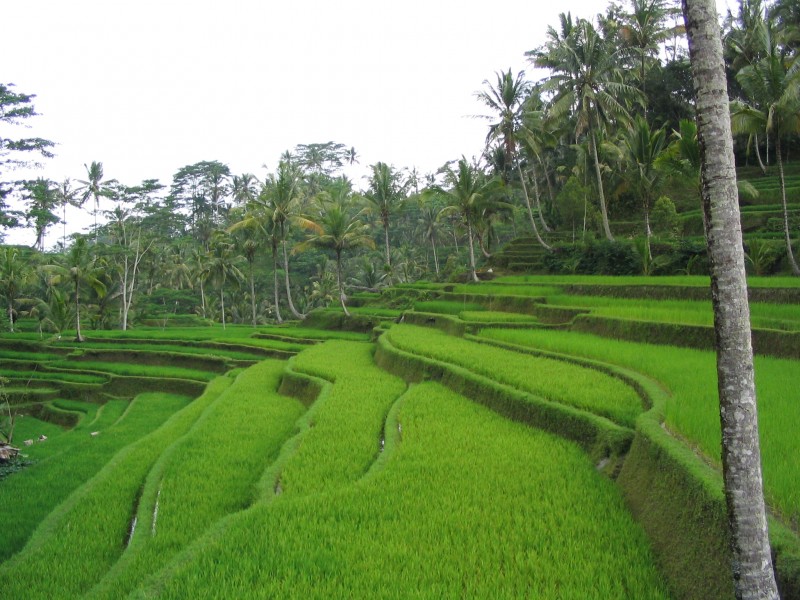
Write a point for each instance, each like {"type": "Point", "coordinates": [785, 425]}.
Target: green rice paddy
{"type": "Point", "coordinates": [364, 485]}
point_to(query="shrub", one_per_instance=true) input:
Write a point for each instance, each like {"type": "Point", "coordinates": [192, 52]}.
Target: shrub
{"type": "Point", "coordinates": [664, 218]}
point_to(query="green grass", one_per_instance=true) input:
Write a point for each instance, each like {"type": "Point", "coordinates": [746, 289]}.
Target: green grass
{"type": "Point", "coordinates": [554, 380]}
{"type": "Point", "coordinates": [506, 289]}
{"type": "Point", "coordinates": [490, 316]}
{"type": "Point", "coordinates": [693, 410]}
{"type": "Point", "coordinates": [28, 356]}
{"type": "Point", "coordinates": [41, 375]}
{"type": "Point", "coordinates": [693, 312]}
{"type": "Point", "coordinates": [345, 437]}
{"type": "Point", "coordinates": [191, 477]}
{"type": "Point", "coordinates": [133, 370]}
{"type": "Point", "coordinates": [72, 459]}
{"type": "Point", "coordinates": [673, 280]}
{"type": "Point", "coordinates": [209, 473]}
{"type": "Point", "coordinates": [30, 428]}
{"type": "Point", "coordinates": [234, 334]}
{"type": "Point", "coordinates": [467, 505]}
{"type": "Point", "coordinates": [446, 307]}
{"type": "Point", "coordinates": [375, 311]}
{"type": "Point", "coordinates": [160, 347]}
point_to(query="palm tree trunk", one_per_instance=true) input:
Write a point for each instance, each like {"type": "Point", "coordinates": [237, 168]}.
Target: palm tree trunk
{"type": "Point", "coordinates": [538, 201]}
{"type": "Point", "coordinates": [124, 304]}
{"type": "Point", "coordinates": [64, 231]}
{"type": "Point", "coordinates": [222, 302]}
{"type": "Point", "coordinates": [11, 316]}
{"type": "Point", "coordinates": [758, 156]}
{"type": "Point", "coordinates": [78, 336]}
{"type": "Point", "coordinates": [276, 283]}
{"type": "Point", "coordinates": [471, 253]}
{"type": "Point", "coordinates": [530, 212]}
{"type": "Point", "coordinates": [753, 575]}
{"type": "Point", "coordinates": [202, 297]}
{"type": "Point", "coordinates": [386, 242]}
{"type": "Point", "coordinates": [339, 284]}
{"type": "Point", "coordinates": [252, 294]}
{"type": "Point", "coordinates": [789, 251]}
{"type": "Point", "coordinates": [295, 312]}
{"type": "Point", "coordinates": [601, 196]}
{"type": "Point", "coordinates": [482, 245]}
{"type": "Point", "coordinates": [435, 257]}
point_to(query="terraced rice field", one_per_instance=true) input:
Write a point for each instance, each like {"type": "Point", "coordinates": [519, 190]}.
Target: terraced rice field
{"type": "Point", "coordinates": [324, 475]}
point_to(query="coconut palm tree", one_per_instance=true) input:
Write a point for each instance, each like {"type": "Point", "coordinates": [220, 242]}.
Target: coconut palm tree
{"type": "Point", "coordinates": [770, 85]}
{"type": "Point", "coordinates": [587, 80]}
{"type": "Point", "coordinates": [79, 268]}
{"type": "Point", "coordinates": [93, 187]}
{"type": "Point", "coordinates": [339, 228]}
{"type": "Point", "coordinates": [466, 191]}
{"type": "Point", "coordinates": [15, 273]}
{"type": "Point", "coordinates": [65, 195]}
{"type": "Point", "coordinates": [222, 266]}
{"type": "Point", "coordinates": [642, 148]}
{"type": "Point", "coordinates": [430, 226]}
{"type": "Point", "coordinates": [506, 98]}
{"type": "Point", "coordinates": [741, 457]}
{"type": "Point", "coordinates": [244, 188]}
{"type": "Point", "coordinates": [41, 200]}
{"type": "Point", "coordinates": [285, 196]}
{"type": "Point", "coordinates": [385, 195]}
{"type": "Point", "coordinates": [643, 29]}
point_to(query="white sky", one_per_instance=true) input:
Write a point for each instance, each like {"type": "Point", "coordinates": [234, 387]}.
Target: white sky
{"type": "Point", "coordinates": [147, 86]}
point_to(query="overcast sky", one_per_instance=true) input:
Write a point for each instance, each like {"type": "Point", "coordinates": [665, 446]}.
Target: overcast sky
{"type": "Point", "coordinates": [147, 87]}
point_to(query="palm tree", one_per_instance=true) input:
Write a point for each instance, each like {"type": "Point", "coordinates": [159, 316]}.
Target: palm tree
{"type": "Point", "coordinates": [79, 268]}
{"type": "Point", "coordinates": [642, 148]}
{"type": "Point", "coordinates": [772, 104]}
{"type": "Point", "coordinates": [199, 266]}
{"type": "Point", "coordinates": [65, 195]}
{"type": "Point", "coordinates": [506, 98]}
{"type": "Point", "coordinates": [222, 266]}
{"type": "Point", "coordinates": [15, 273]}
{"type": "Point", "coordinates": [467, 190]}
{"type": "Point", "coordinates": [586, 78]}
{"type": "Point", "coordinates": [249, 248]}
{"type": "Point", "coordinates": [93, 187]}
{"type": "Point", "coordinates": [430, 225]}
{"type": "Point", "coordinates": [259, 220]}
{"type": "Point", "coordinates": [642, 31]}
{"type": "Point", "coordinates": [285, 196]}
{"type": "Point", "coordinates": [741, 456]}
{"type": "Point", "coordinates": [338, 229]}
{"type": "Point", "coordinates": [244, 188]}
{"type": "Point", "coordinates": [41, 198]}
{"type": "Point", "coordinates": [385, 195]}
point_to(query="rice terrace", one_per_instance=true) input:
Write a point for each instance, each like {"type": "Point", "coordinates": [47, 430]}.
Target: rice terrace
{"type": "Point", "coordinates": [531, 373]}
{"type": "Point", "coordinates": [514, 438]}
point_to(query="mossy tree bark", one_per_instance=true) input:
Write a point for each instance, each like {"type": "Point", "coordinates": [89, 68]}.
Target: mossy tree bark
{"type": "Point", "coordinates": [741, 458]}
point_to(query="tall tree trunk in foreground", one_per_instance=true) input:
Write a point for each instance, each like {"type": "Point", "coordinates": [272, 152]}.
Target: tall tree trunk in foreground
{"type": "Point", "coordinates": [741, 457]}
